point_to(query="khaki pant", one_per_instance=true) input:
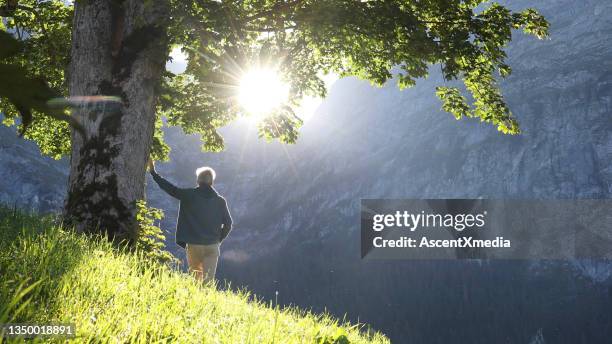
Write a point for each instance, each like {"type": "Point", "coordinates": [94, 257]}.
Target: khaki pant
{"type": "Point", "coordinates": [202, 261]}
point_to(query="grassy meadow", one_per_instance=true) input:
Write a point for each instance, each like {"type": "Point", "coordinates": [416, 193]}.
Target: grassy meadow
{"type": "Point", "coordinates": [49, 275]}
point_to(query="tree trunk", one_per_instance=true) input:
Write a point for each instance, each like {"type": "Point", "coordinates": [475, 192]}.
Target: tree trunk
{"type": "Point", "coordinates": [119, 48]}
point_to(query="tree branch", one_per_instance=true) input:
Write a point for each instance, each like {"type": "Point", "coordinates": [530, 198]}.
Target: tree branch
{"type": "Point", "coordinates": [11, 6]}
{"type": "Point", "coordinates": [279, 8]}
{"type": "Point", "coordinates": [271, 29]}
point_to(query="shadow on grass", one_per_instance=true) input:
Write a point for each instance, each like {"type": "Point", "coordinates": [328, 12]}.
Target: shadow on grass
{"type": "Point", "coordinates": [34, 256]}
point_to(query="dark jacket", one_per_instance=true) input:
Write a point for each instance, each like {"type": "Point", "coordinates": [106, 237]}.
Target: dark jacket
{"type": "Point", "coordinates": [204, 218]}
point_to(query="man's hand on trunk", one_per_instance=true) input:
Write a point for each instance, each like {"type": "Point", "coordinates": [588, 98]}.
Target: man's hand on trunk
{"type": "Point", "coordinates": [151, 165]}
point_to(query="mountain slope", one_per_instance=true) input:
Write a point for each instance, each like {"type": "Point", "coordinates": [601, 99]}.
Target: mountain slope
{"type": "Point", "coordinates": [29, 179]}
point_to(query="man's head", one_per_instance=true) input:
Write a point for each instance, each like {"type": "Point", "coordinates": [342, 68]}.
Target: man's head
{"type": "Point", "coordinates": [206, 176]}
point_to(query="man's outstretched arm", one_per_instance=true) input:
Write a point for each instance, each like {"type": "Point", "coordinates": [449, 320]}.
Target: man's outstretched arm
{"type": "Point", "coordinates": [165, 185]}
{"type": "Point", "coordinates": [227, 222]}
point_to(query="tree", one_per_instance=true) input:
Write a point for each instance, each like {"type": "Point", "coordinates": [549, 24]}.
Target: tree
{"type": "Point", "coordinates": [118, 48]}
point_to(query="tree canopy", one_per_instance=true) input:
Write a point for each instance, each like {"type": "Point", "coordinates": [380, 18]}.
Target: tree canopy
{"type": "Point", "coordinates": [376, 40]}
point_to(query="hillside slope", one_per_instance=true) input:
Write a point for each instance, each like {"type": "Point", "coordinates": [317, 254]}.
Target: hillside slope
{"type": "Point", "coordinates": [121, 297]}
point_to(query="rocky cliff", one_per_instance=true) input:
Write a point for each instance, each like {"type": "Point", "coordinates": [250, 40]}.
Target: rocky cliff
{"type": "Point", "coordinates": [28, 179]}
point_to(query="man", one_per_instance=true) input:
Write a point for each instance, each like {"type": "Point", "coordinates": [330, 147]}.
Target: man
{"type": "Point", "coordinates": [204, 221]}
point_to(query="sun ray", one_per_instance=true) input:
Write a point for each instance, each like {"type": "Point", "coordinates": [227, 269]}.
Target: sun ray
{"type": "Point", "coordinates": [291, 162]}
{"type": "Point", "coordinates": [243, 146]}
{"type": "Point", "coordinates": [220, 60]}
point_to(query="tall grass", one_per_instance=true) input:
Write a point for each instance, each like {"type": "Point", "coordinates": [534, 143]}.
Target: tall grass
{"type": "Point", "coordinates": [48, 274]}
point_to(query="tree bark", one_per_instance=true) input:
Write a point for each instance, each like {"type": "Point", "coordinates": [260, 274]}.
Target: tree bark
{"type": "Point", "coordinates": [119, 49]}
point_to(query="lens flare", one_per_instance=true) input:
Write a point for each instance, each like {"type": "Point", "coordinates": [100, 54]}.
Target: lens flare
{"type": "Point", "coordinates": [261, 91]}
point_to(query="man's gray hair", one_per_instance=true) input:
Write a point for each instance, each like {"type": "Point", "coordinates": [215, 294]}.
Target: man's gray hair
{"type": "Point", "coordinates": [206, 175]}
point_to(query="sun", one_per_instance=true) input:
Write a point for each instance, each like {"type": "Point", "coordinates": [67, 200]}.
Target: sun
{"type": "Point", "coordinates": [261, 91]}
